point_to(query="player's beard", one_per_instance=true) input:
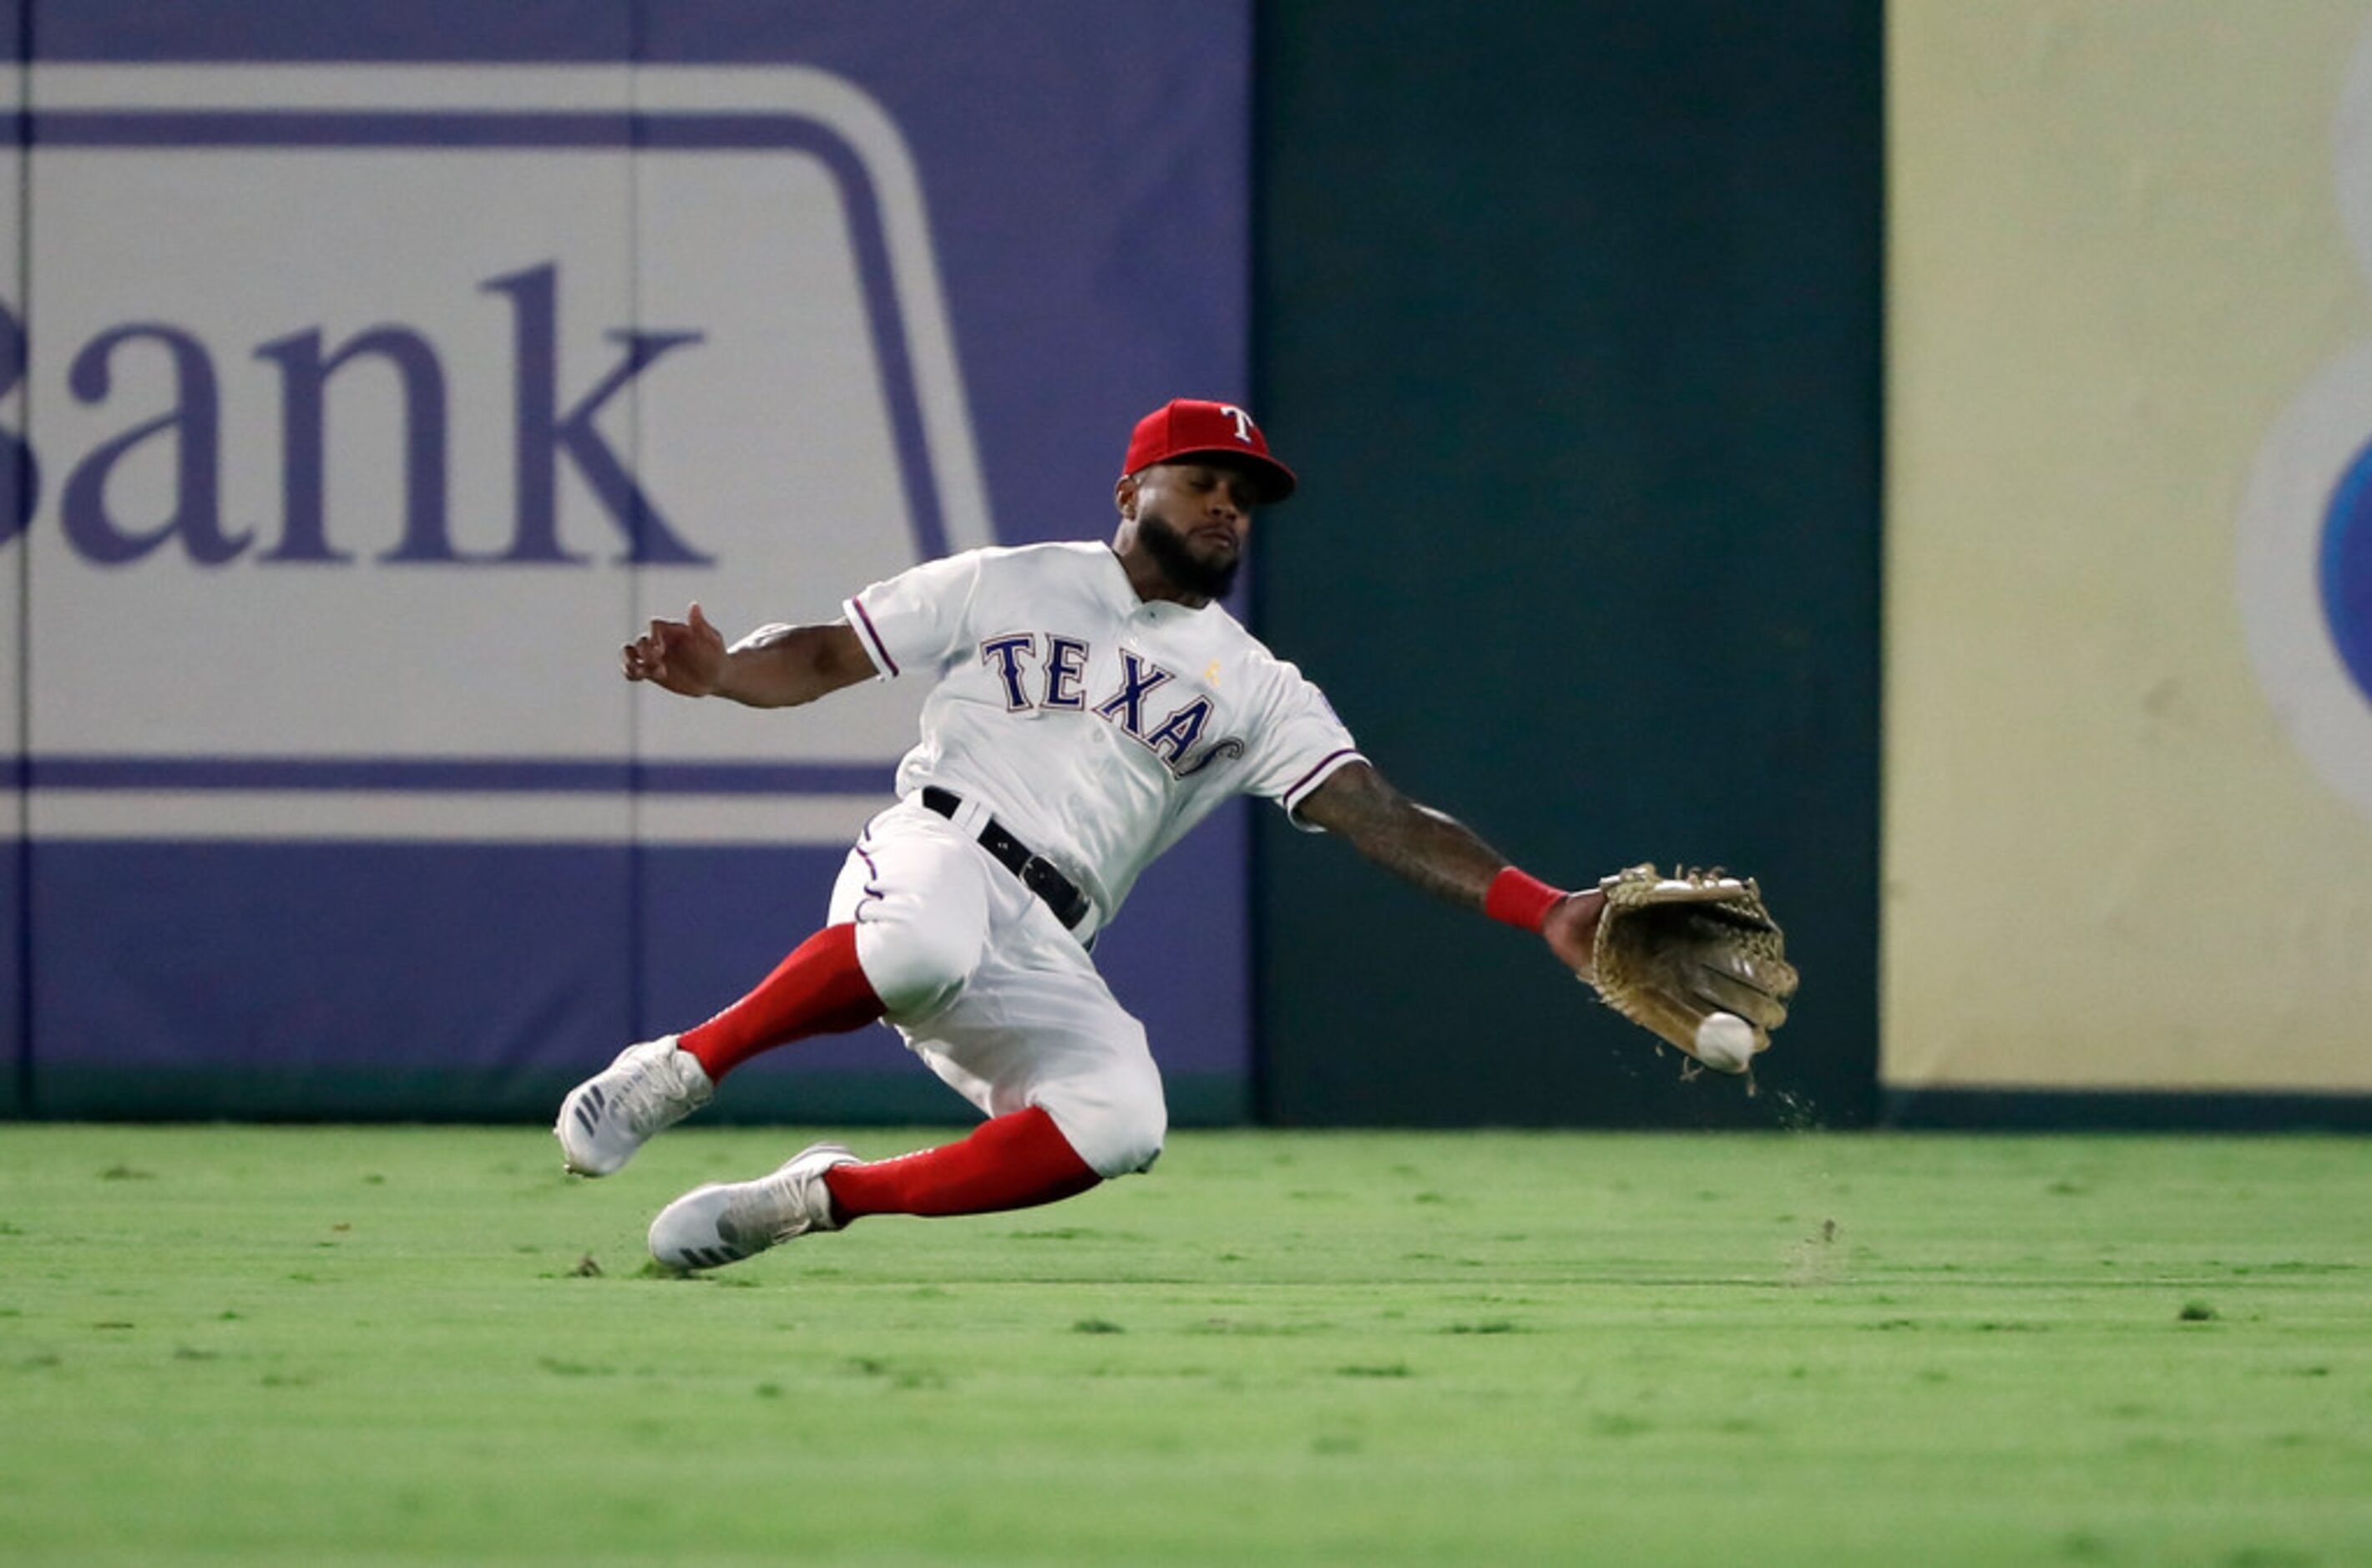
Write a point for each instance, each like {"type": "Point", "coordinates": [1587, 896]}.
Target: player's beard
{"type": "Point", "coordinates": [1181, 565]}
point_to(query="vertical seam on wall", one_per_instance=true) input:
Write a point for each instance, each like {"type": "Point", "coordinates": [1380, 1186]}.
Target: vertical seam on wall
{"type": "Point", "coordinates": [1875, 1112]}
{"type": "Point", "coordinates": [1260, 1086]}
{"type": "Point", "coordinates": [25, 496]}
{"type": "Point", "coordinates": [637, 931]}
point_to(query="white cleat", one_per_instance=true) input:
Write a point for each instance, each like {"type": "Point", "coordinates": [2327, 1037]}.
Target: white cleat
{"type": "Point", "coordinates": [648, 1089]}
{"type": "Point", "coordinates": [727, 1221]}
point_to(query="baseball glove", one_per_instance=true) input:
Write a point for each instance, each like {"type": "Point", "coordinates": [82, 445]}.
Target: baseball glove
{"type": "Point", "coordinates": [1672, 951]}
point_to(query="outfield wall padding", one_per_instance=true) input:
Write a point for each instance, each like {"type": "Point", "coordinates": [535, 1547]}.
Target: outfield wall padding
{"type": "Point", "coordinates": [2128, 722]}
{"type": "Point", "coordinates": [385, 368]}
{"type": "Point", "coordinates": [1571, 316]}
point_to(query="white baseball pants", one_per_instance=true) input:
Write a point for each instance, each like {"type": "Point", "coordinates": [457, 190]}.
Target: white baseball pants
{"type": "Point", "coordinates": [990, 989]}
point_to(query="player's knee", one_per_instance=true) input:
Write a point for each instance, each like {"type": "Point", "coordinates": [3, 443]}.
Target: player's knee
{"type": "Point", "coordinates": [916, 967]}
{"type": "Point", "coordinates": [1116, 1123]}
{"type": "Point", "coordinates": [1137, 1139]}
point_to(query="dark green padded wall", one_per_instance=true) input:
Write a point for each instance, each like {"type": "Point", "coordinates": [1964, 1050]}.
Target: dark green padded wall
{"type": "Point", "coordinates": [1569, 319]}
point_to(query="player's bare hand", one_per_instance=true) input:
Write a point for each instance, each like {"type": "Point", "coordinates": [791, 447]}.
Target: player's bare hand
{"type": "Point", "coordinates": [685, 656]}
{"type": "Point", "coordinates": [1571, 929]}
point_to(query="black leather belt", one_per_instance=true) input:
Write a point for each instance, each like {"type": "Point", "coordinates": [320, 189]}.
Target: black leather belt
{"type": "Point", "coordinates": [1061, 895]}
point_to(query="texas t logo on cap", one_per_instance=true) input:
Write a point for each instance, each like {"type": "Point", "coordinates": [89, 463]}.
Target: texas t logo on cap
{"type": "Point", "coordinates": [1186, 427]}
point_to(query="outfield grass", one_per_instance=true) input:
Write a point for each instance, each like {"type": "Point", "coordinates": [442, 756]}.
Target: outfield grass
{"type": "Point", "coordinates": [382, 1345]}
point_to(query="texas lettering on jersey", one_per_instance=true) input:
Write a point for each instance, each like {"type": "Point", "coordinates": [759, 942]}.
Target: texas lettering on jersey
{"type": "Point", "coordinates": [1044, 656]}
{"type": "Point", "coordinates": [1043, 672]}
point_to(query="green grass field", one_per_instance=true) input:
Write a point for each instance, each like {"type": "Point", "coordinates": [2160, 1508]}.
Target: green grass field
{"type": "Point", "coordinates": [426, 1345]}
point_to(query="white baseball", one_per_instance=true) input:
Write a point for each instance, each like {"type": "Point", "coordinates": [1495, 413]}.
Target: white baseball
{"type": "Point", "coordinates": [1726, 1042]}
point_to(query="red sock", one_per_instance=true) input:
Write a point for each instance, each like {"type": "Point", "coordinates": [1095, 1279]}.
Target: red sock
{"type": "Point", "coordinates": [820, 989]}
{"type": "Point", "coordinates": [1009, 1162]}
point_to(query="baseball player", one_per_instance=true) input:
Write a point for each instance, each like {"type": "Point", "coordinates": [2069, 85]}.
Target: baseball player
{"type": "Point", "coordinates": [1093, 704]}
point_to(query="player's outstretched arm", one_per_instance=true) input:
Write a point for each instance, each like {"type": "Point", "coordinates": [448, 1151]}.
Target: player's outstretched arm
{"type": "Point", "coordinates": [776, 667]}
{"type": "Point", "coordinates": [1442, 855]}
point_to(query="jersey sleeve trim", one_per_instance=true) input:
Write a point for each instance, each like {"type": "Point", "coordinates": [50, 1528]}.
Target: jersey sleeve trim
{"type": "Point", "coordinates": [1328, 766]}
{"type": "Point", "coordinates": [871, 638]}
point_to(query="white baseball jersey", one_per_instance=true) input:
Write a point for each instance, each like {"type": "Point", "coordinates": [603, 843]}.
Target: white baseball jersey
{"type": "Point", "coordinates": [1097, 726]}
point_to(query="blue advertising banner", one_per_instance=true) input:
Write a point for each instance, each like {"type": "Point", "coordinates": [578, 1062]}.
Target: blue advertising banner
{"type": "Point", "coordinates": [378, 375]}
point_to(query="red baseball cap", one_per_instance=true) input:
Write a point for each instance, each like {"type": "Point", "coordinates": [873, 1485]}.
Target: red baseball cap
{"type": "Point", "coordinates": [1188, 427]}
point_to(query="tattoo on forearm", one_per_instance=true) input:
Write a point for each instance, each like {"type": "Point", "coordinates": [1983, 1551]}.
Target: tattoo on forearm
{"type": "Point", "coordinates": [1429, 848]}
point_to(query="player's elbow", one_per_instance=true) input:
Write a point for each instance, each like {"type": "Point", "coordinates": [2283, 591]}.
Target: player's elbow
{"type": "Point", "coordinates": [837, 658]}
{"type": "Point", "coordinates": [788, 667]}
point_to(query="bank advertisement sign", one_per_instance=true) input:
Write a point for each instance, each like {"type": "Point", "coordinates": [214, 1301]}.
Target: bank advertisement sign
{"type": "Point", "coordinates": [354, 409]}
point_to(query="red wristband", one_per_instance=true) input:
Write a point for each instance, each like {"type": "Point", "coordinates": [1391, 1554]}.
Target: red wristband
{"type": "Point", "coordinates": [1521, 899]}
